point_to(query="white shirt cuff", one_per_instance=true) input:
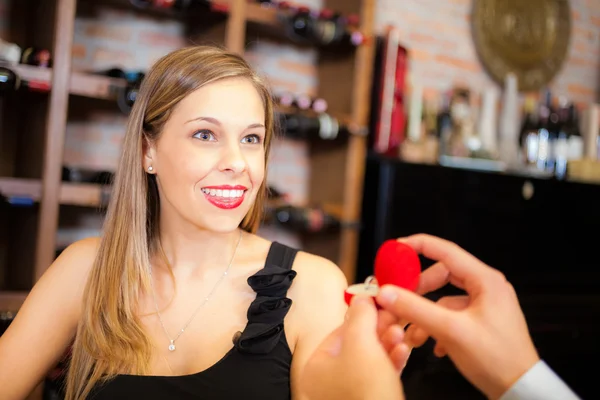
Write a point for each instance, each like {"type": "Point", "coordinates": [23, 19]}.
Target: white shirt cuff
{"type": "Point", "coordinates": [540, 383]}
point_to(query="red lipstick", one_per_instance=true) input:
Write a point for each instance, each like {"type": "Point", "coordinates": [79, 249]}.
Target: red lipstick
{"type": "Point", "coordinates": [226, 197]}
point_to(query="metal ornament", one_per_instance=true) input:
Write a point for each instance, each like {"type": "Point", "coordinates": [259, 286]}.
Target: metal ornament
{"type": "Point", "coordinates": [528, 38]}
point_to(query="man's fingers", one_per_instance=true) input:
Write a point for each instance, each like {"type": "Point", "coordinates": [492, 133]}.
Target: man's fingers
{"type": "Point", "coordinates": [436, 277]}
{"type": "Point", "coordinates": [399, 356]}
{"type": "Point", "coordinates": [416, 336]}
{"type": "Point", "coordinates": [439, 350]}
{"type": "Point", "coordinates": [416, 309]}
{"type": "Point", "coordinates": [461, 264]}
{"type": "Point", "coordinates": [385, 319]}
{"type": "Point", "coordinates": [454, 302]}
{"type": "Point", "coordinates": [393, 336]}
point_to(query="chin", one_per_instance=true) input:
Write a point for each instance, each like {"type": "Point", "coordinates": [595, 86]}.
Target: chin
{"type": "Point", "coordinates": [221, 223]}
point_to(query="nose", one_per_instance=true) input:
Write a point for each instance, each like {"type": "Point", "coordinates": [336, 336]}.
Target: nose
{"type": "Point", "coordinates": [232, 159]}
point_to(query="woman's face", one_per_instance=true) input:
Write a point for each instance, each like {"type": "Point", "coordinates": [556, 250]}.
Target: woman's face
{"type": "Point", "coordinates": [210, 157]}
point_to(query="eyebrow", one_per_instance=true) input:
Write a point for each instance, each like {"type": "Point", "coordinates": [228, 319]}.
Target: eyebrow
{"type": "Point", "coordinates": [215, 121]}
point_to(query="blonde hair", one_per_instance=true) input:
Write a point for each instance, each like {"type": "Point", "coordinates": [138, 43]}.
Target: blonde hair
{"type": "Point", "coordinates": [110, 337]}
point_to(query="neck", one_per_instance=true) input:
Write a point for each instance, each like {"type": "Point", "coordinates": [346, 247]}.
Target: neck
{"type": "Point", "coordinates": [193, 249]}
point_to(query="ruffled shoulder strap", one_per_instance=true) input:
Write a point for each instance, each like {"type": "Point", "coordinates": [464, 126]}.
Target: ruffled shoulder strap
{"type": "Point", "coordinates": [267, 311]}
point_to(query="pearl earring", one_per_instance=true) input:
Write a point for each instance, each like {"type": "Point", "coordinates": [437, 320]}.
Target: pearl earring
{"type": "Point", "coordinates": [150, 169]}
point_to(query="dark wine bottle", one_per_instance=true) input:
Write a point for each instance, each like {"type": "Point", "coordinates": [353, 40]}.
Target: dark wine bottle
{"type": "Point", "coordinates": [301, 25]}
{"type": "Point", "coordinates": [528, 137]}
{"type": "Point", "coordinates": [561, 143]}
{"type": "Point", "coordinates": [79, 175]}
{"type": "Point", "coordinates": [303, 127]}
{"type": "Point", "coordinates": [127, 95]}
{"type": "Point", "coordinates": [37, 57]}
{"type": "Point", "coordinates": [575, 137]}
{"type": "Point", "coordinates": [142, 3]}
{"type": "Point", "coordinates": [11, 82]}
{"type": "Point", "coordinates": [183, 5]}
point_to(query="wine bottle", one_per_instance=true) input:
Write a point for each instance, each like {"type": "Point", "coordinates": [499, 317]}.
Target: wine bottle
{"type": "Point", "coordinates": [142, 3]}
{"type": "Point", "coordinates": [543, 137]}
{"type": "Point", "coordinates": [79, 175]}
{"type": "Point", "coordinates": [127, 95]}
{"type": "Point", "coordinates": [561, 144]}
{"type": "Point", "coordinates": [302, 102]}
{"type": "Point", "coordinates": [323, 126]}
{"type": "Point", "coordinates": [10, 52]}
{"type": "Point", "coordinates": [37, 57]}
{"type": "Point", "coordinates": [16, 200]}
{"type": "Point", "coordinates": [575, 144]}
{"type": "Point", "coordinates": [301, 25]}
{"type": "Point", "coordinates": [183, 5]}
{"type": "Point", "coordinates": [285, 99]}
{"type": "Point", "coordinates": [335, 31]}
{"type": "Point", "coordinates": [528, 137]}
{"type": "Point", "coordinates": [303, 219]}
{"type": "Point", "coordinates": [10, 82]}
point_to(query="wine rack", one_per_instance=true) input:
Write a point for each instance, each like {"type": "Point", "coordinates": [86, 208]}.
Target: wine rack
{"type": "Point", "coordinates": [346, 161]}
{"type": "Point", "coordinates": [32, 137]}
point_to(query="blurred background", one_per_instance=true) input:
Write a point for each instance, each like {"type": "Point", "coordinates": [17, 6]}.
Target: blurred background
{"type": "Point", "coordinates": [474, 120]}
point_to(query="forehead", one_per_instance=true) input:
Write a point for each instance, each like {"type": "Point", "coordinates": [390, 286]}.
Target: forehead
{"type": "Point", "coordinates": [226, 99]}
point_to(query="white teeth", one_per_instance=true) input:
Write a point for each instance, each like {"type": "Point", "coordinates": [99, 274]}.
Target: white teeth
{"type": "Point", "coordinates": [226, 193]}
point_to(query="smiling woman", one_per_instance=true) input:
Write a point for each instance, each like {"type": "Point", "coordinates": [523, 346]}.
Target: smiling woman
{"type": "Point", "coordinates": [179, 298]}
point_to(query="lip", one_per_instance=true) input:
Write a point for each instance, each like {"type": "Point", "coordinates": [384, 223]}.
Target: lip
{"type": "Point", "coordinates": [226, 203]}
{"type": "Point", "coordinates": [227, 187]}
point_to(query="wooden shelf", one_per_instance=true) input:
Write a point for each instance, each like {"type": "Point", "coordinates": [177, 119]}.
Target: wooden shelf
{"type": "Point", "coordinates": [75, 194]}
{"type": "Point", "coordinates": [259, 14]}
{"type": "Point", "coordinates": [12, 301]}
{"type": "Point", "coordinates": [81, 84]}
{"type": "Point", "coordinates": [84, 194]}
{"type": "Point", "coordinates": [20, 187]}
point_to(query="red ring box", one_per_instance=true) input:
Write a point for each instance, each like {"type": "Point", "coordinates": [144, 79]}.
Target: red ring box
{"type": "Point", "coordinates": [396, 263]}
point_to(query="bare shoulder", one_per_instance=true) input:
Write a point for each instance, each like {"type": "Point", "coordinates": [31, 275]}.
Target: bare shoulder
{"type": "Point", "coordinates": [318, 272]}
{"type": "Point", "coordinates": [76, 261]}
{"type": "Point", "coordinates": [47, 321]}
{"type": "Point", "coordinates": [67, 276]}
{"type": "Point", "coordinates": [318, 283]}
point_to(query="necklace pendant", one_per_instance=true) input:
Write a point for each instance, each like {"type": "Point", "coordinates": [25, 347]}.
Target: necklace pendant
{"type": "Point", "coordinates": [172, 346]}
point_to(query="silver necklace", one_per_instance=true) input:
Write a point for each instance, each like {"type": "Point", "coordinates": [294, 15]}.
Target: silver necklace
{"type": "Point", "coordinates": [172, 341]}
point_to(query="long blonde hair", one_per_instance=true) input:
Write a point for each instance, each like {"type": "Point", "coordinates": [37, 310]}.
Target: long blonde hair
{"type": "Point", "coordinates": [110, 338]}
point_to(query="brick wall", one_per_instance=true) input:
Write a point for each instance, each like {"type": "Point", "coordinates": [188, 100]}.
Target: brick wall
{"type": "Point", "coordinates": [442, 51]}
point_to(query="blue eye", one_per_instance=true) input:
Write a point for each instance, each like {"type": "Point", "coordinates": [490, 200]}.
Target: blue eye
{"type": "Point", "coordinates": [251, 139]}
{"type": "Point", "coordinates": [205, 135]}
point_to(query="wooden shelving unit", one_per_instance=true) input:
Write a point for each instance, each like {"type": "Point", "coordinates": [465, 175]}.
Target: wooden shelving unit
{"type": "Point", "coordinates": [34, 172]}
{"type": "Point", "coordinates": [11, 301]}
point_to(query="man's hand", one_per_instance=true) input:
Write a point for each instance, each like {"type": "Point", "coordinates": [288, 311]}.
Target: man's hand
{"type": "Point", "coordinates": [352, 363]}
{"type": "Point", "coordinates": [484, 333]}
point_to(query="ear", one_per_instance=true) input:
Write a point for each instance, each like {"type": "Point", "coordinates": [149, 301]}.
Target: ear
{"type": "Point", "coordinates": [149, 160]}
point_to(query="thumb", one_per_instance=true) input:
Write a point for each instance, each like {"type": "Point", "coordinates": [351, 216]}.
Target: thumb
{"type": "Point", "coordinates": [332, 344]}
{"type": "Point", "coordinates": [416, 309]}
{"type": "Point", "coordinates": [361, 324]}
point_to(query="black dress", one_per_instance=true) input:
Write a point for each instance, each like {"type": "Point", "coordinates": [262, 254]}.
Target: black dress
{"type": "Point", "coordinates": [258, 365]}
